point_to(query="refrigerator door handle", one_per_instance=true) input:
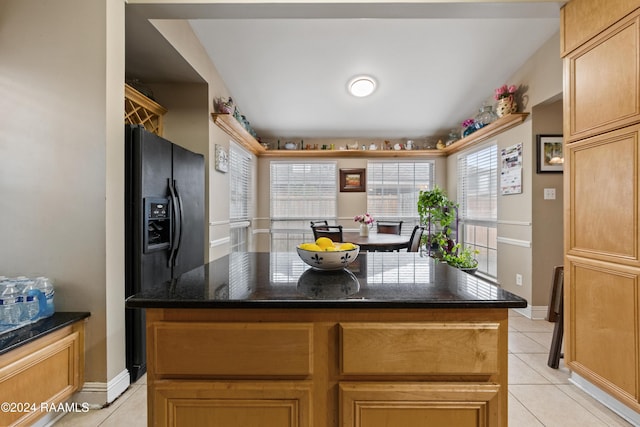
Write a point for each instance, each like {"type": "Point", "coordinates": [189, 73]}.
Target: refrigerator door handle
{"type": "Point", "coordinates": [179, 227]}
{"type": "Point", "coordinates": [175, 220]}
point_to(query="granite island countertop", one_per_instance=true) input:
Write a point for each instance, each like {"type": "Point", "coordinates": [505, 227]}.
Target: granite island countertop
{"type": "Point", "coordinates": [283, 280]}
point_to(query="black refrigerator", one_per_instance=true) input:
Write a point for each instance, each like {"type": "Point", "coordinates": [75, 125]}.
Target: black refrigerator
{"type": "Point", "coordinates": [164, 223]}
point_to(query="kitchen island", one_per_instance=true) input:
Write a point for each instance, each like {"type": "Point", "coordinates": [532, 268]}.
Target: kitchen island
{"type": "Point", "coordinates": [260, 339]}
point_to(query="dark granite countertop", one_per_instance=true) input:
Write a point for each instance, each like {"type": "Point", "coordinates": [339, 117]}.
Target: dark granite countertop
{"type": "Point", "coordinates": [283, 280]}
{"type": "Point", "coordinates": [13, 339]}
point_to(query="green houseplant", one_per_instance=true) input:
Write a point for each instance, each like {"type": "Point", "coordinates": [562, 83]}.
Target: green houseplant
{"type": "Point", "coordinates": [438, 214]}
{"type": "Point", "coordinates": [461, 257]}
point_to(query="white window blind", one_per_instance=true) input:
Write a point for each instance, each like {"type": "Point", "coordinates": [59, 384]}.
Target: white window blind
{"type": "Point", "coordinates": [303, 190]}
{"type": "Point", "coordinates": [478, 184]}
{"type": "Point", "coordinates": [393, 189]}
{"type": "Point", "coordinates": [239, 184]}
{"type": "Point", "coordinates": [239, 197]}
{"type": "Point", "coordinates": [478, 199]}
{"type": "Point", "coordinates": [300, 192]}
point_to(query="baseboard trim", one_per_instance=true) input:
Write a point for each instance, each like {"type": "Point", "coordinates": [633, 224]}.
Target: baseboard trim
{"type": "Point", "coordinates": [606, 399]}
{"type": "Point", "coordinates": [98, 394]}
{"type": "Point", "coordinates": [538, 312]}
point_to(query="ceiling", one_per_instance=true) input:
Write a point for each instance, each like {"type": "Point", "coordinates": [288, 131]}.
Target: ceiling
{"type": "Point", "coordinates": [287, 65]}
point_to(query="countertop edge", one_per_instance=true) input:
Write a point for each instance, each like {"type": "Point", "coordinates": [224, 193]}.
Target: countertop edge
{"type": "Point", "coordinates": [14, 339]}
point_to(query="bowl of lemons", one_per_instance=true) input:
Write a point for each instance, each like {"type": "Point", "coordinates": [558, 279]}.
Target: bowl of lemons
{"type": "Point", "coordinates": [324, 254]}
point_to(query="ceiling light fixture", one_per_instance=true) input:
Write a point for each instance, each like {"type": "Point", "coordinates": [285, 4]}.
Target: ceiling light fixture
{"type": "Point", "coordinates": [362, 86]}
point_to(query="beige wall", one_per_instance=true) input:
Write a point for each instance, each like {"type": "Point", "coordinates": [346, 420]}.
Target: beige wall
{"type": "Point", "coordinates": [61, 161]}
{"type": "Point", "coordinates": [547, 230]}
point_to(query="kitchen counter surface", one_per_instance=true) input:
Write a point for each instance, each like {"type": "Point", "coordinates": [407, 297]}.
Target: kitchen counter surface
{"type": "Point", "coordinates": [283, 280]}
{"type": "Point", "coordinates": [13, 339]}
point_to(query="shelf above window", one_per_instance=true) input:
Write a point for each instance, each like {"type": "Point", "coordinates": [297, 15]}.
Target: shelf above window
{"type": "Point", "coordinates": [230, 125]}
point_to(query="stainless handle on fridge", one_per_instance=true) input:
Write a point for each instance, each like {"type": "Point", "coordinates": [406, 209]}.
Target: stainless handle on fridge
{"type": "Point", "coordinates": [175, 225]}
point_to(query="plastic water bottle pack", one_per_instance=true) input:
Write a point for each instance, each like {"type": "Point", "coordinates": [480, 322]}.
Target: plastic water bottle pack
{"type": "Point", "coordinates": [24, 300]}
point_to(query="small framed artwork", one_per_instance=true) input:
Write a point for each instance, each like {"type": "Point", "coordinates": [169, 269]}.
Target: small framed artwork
{"type": "Point", "coordinates": [222, 159]}
{"type": "Point", "coordinates": [550, 154]}
{"type": "Point", "coordinates": [353, 180]}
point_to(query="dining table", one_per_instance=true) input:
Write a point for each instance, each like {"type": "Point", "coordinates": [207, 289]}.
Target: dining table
{"type": "Point", "coordinates": [377, 241]}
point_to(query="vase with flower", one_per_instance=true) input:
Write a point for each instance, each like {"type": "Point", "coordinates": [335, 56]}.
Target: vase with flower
{"type": "Point", "coordinates": [365, 221]}
{"type": "Point", "coordinates": [505, 95]}
{"type": "Point", "coordinates": [469, 126]}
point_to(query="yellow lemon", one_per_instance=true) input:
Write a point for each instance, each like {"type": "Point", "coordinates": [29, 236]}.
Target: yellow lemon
{"type": "Point", "coordinates": [310, 247]}
{"type": "Point", "coordinates": [330, 248]}
{"type": "Point", "coordinates": [347, 246]}
{"type": "Point", "coordinates": [324, 242]}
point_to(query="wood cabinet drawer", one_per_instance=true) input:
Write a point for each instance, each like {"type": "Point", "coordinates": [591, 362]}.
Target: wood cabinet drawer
{"type": "Point", "coordinates": [419, 348]}
{"type": "Point", "coordinates": [419, 404]}
{"type": "Point", "coordinates": [239, 349]}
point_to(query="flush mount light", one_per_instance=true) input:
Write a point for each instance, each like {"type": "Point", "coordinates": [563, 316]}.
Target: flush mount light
{"type": "Point", "coordinates": [362, 86]}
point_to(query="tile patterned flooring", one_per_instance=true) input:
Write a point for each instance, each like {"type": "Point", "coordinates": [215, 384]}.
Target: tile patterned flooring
{"type": "Point", "coordinates": [538, 395]}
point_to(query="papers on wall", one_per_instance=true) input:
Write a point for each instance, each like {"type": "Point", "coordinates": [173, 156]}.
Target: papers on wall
{"type": "Point", "coordinates": [511, 174]}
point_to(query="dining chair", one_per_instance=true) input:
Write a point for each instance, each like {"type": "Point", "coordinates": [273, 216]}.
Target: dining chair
{"type": "Point", "coordinates": [315, 223]}
{"type": "Point", "coordinates": [389, 227]}
{"type": "Point", "coordinates": [334, 232]}
{"type": "Point", "coordinates": [416, 237]}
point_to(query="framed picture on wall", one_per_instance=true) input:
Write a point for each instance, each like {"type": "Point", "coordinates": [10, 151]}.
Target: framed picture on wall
{"type": "Point", "coordinates": [353, 180]}
{"type": "Point", "coordinates": [550, 154]}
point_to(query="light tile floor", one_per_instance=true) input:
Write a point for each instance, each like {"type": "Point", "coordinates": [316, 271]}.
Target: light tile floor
{"type": "Point", "coordinates": [538, 395]}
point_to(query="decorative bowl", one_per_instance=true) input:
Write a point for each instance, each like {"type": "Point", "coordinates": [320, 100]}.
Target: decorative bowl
{"type": "Point", "coordinates": [329, 260]}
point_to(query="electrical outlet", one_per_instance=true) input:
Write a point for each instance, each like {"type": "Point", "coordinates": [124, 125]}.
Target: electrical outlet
{"type": "Point", "coordinates": [519, 279]}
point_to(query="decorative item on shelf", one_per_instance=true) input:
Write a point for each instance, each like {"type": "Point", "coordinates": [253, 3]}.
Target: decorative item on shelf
{"type": "Point", "coordinates": [290, 145]}
{"type": "Point", "coordinates": [440, 145]}
{"type": "Point", "coordinates": [222, 105]}
{"type": "Point", "coordinates": [454, 135]}
{"type": "Point", "coordinates": [505, 95]}
{"type": "Point", "coordinates": [486, 115]}
{"type": "Point", "coordinates": [409, 145]}
{"type": "Point", "coordinates": [469, 126]}
{"type": "Point", "coordinates": [366, 221]}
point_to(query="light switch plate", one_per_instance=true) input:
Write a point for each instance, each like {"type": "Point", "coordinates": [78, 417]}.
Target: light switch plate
{"type": "Point", "coordinates": [549, 193]}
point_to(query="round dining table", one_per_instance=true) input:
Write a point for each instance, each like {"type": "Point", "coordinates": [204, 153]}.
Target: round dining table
{"type": "Point", "coordinates": [377, 241]}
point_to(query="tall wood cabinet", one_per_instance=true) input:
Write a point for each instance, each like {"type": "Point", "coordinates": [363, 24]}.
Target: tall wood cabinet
{"type": "Point", "coordinates": [601, 50]}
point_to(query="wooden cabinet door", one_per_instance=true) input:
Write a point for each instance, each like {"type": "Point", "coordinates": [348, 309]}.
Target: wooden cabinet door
{"type": "Point", "coordinates": [418, 404]}
{"type": "Point", "coordinates": [231, 404]}
{"type": "Point", "coordinates": [602, 82]}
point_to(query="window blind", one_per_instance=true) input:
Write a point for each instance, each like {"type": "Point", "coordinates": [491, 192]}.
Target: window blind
{"type": "Point", "coordinates": [239, 197]}
{"type": "Point", "coordinates": [478, 199]}
{"type": "Point", "coordinates": [303, 191]}
{"type": "Point", "coordinates": [239, 183]}
{"type": "Point", "coordinates": [478, 184]}
{"type": "Point", "coordinates": [393, 188]}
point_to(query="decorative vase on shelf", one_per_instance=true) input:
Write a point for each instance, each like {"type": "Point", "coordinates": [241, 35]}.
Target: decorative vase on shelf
{"type": "Point", "coordinates": [486, 115]}
{"type": "Point", "coordinates": [506, 106]}
{"type": "Point", "coordinates": [364, 229]}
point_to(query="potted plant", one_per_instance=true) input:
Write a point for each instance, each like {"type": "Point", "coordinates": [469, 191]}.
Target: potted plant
{"type": "Point", "coordinates": [438, 214]}
{"type": "Point", "coordinates": [462, 257]}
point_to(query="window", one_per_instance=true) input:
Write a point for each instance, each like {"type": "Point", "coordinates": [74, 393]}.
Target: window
{"type": "Point", "coordinates": [240, 197]}
{"type": "Point", "coordinates": [300, 192]}
{"type": "Point", "coordinates": [393, 189]}
{"type": "Point", "coordinates": [477, 195]}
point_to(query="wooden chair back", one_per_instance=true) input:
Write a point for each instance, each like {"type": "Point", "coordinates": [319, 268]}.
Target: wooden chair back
{"type": "Point", "coordinates": [317, 223]}
{"type": "Point", "coordinates": [334, 232]}
{"type": "Point", "coordinates": [389, 227]}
